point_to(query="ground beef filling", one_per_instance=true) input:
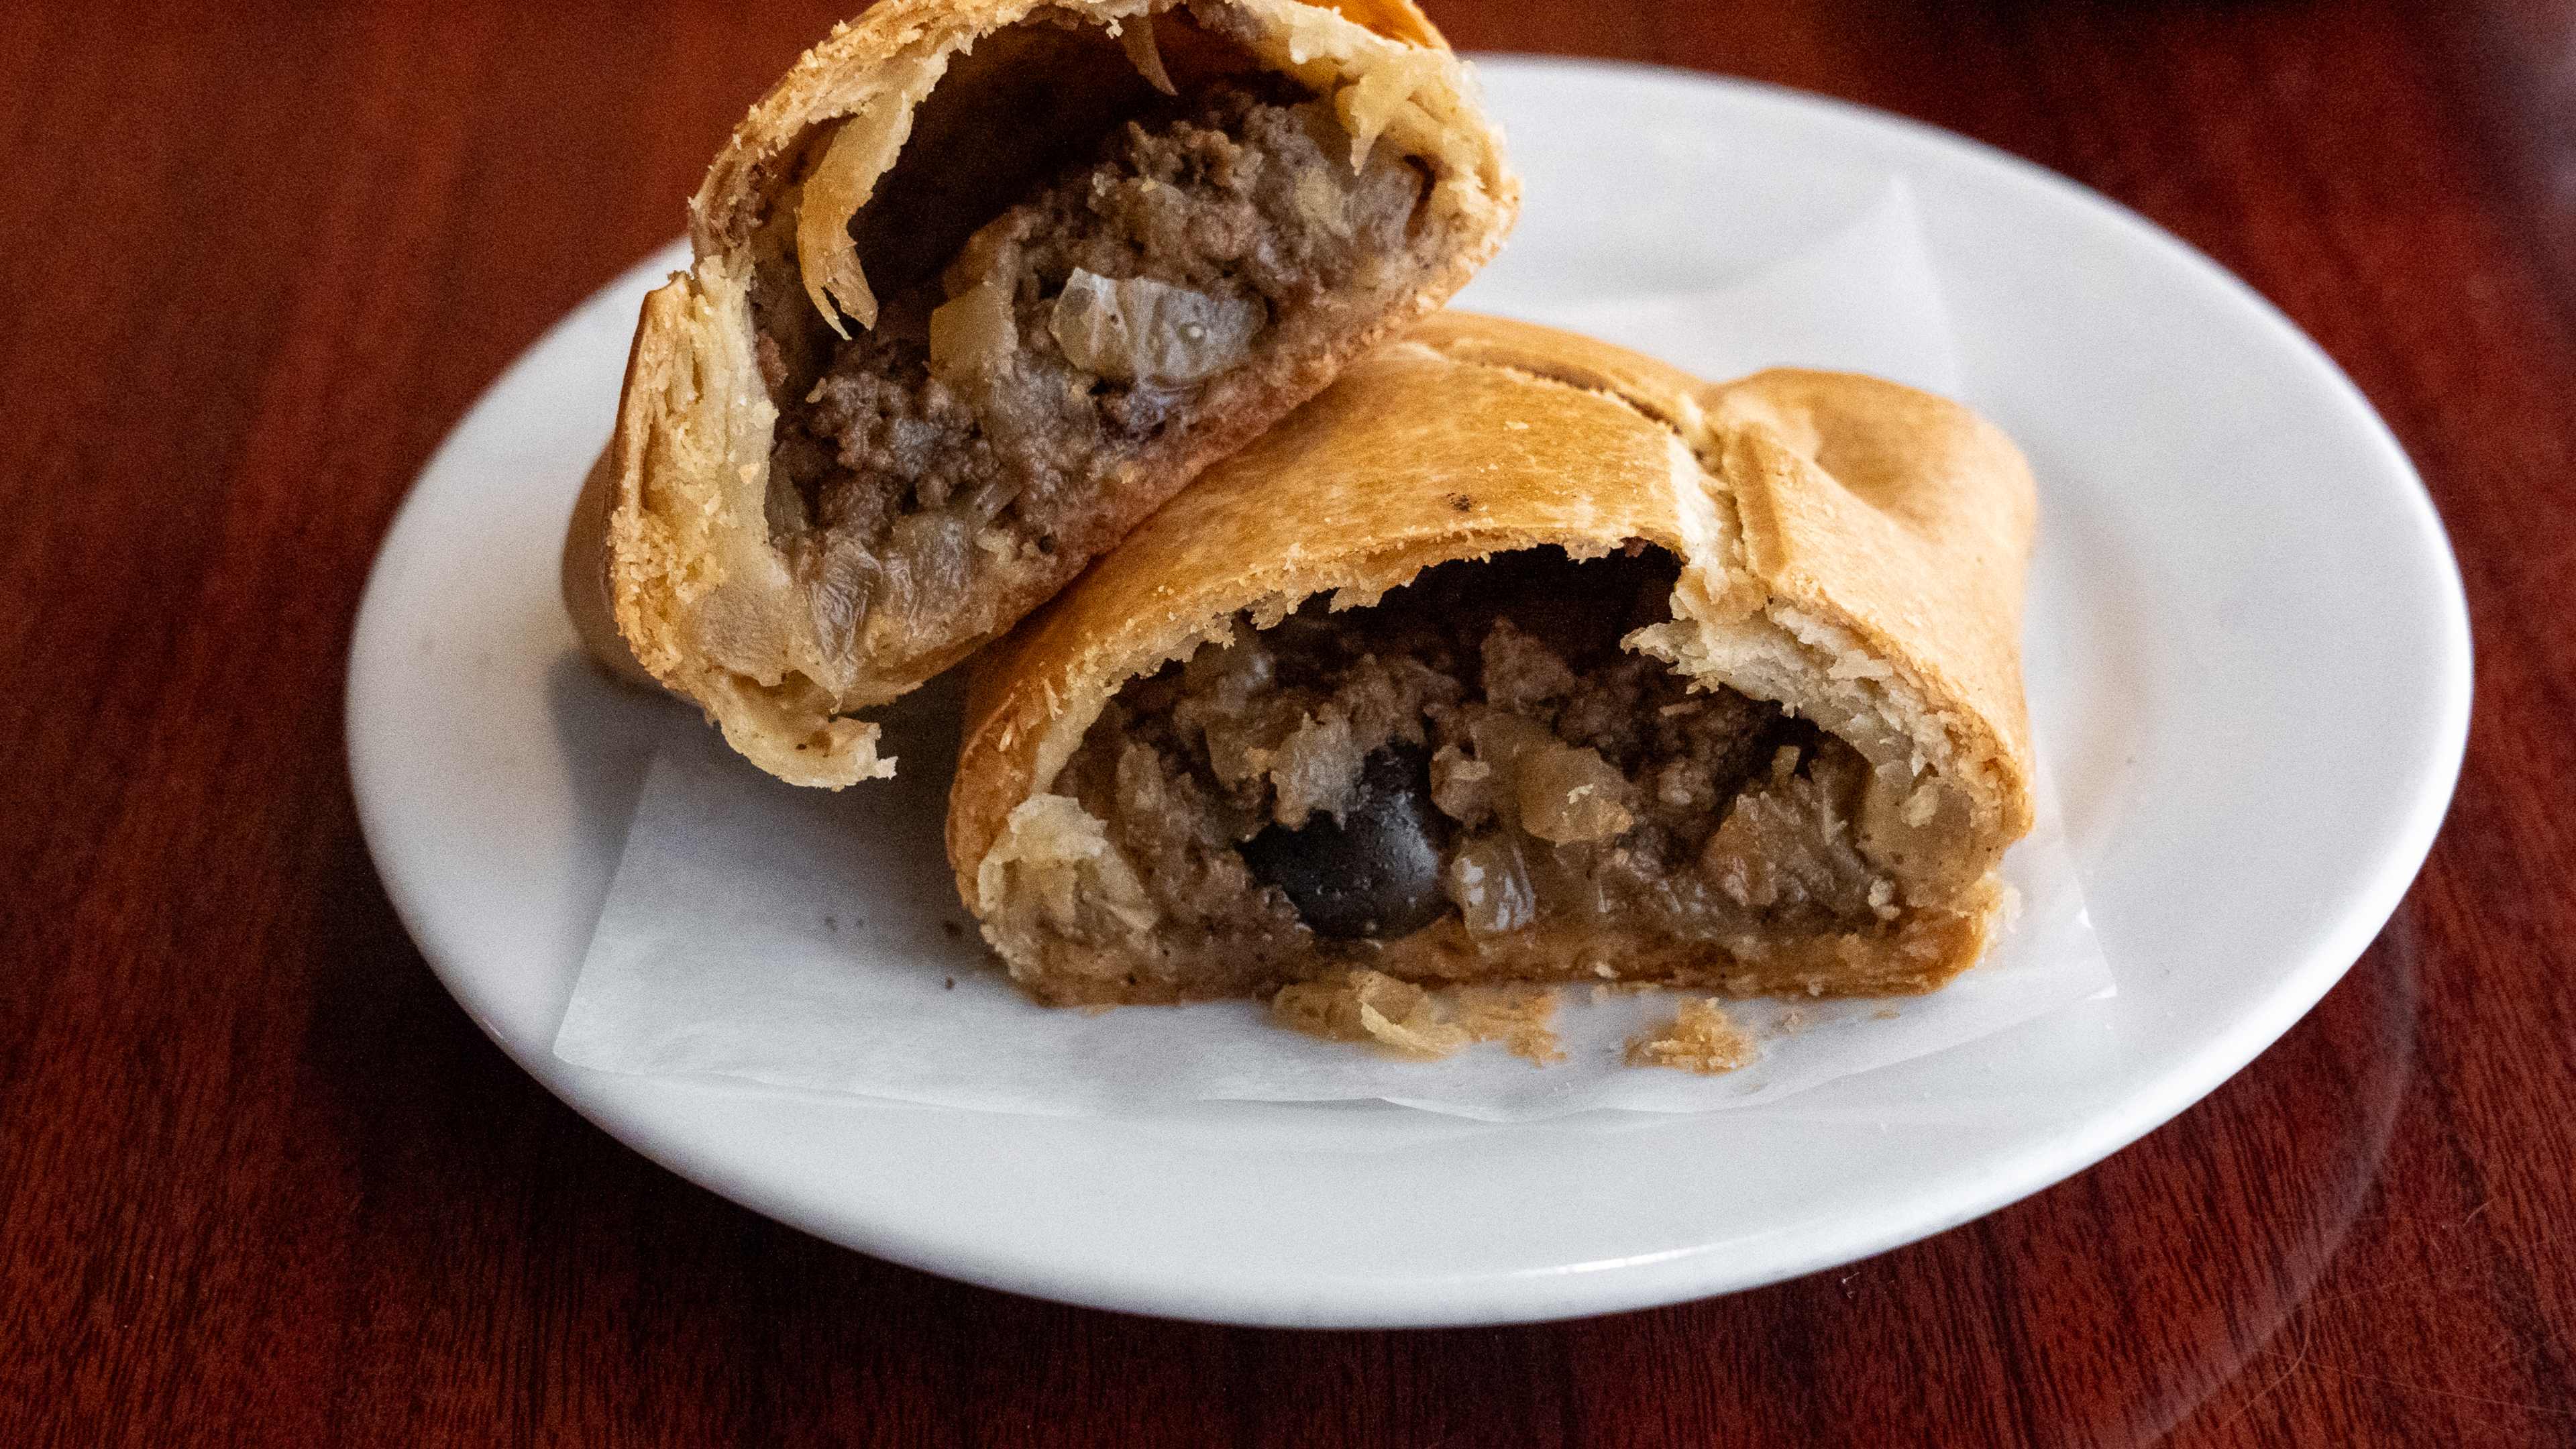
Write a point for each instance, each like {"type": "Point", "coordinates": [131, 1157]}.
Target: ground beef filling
{"type": "Point", "coordinates": [969, 430]}
{"type": "Point", "coordinates": [1475, 751]}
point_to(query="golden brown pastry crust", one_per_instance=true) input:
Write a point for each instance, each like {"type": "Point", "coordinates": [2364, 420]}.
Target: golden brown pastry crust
{"type": "Point", "coordinates": [1849, 547]}
{"type": "Point", "coordinates": [699, 598]}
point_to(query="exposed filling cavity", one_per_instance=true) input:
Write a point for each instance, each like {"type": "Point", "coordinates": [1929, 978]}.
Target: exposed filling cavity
{"type": "Point", "coordinates": [1433, 784]}
{"type": "Point", "coordinates": [964, 444]}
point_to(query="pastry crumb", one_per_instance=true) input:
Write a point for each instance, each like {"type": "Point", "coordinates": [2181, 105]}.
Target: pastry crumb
{"type": "Point", "coordinates": [1885, 1013]}
{"type": "Point", "coordinates": [1522, 1018]}
{"type": "Point", "coordinates": [1369, 1006]}
{"type": "Point", "coordinates": [1373, 1007]}
{"type": "Point", "coordinates": [1701, 1037]}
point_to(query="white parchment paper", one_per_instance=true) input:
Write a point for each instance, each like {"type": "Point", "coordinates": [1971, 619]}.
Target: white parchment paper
{"type": "Point", "coordinates": [814, 940]}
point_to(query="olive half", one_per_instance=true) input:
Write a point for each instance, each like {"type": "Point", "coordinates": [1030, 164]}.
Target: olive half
{"type": "Point", "coordinates": [1373, 873]}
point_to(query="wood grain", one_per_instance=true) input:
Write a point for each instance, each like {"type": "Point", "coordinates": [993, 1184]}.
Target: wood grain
{"type": "Point", "coordinates": [261, 1182]}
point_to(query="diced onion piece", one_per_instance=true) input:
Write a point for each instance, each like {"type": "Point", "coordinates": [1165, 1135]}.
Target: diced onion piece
{"type": "Point", "coordinates": [1137, 34]}
{"type": "Point", "coordinates": [973, 334]}
{"type": "Point", "coordinates": [837, 597]}
{"type": "Point", "coordinates": [1372, 103]}
{"type": "Point", "coordinates": [1569, 793]}
{"type": "Point", "coordinates": [1067, 873]}
{"type": "Point", "coordinates": [1317, 770]}
{"type": "Point", "coordinates": [1558, 792]}
{"type": "Point", "coordinates": [1490, 882]}
{"type": "Point", "coordinates": [1135, 329]}
{"type": "Point", "coordinates": [1320, 203]}
{"type": "Point", "coordinates": [988, 500]}
{"type": "Point", "coordinates": [825, 254]}
{"type": "Point", "coordinates": [928, 556]}
{"type": "Point", "coordinates": [1462, 787]}
{"type": "Point", "coordinates": [861, 151]}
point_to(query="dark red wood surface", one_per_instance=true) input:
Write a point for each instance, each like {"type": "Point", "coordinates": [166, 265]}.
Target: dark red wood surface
{"type": "Point", "coordinates": [262, 1182]}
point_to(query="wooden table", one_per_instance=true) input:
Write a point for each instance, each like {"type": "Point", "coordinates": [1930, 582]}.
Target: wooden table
{"type": "Point", "coordinates": [262, 1182]}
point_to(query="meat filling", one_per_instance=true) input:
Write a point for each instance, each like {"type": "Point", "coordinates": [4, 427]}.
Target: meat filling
{"type": "Point", "coordinates": [965, 438]}
{"type": "Point", "coordinates": [1451, 771]}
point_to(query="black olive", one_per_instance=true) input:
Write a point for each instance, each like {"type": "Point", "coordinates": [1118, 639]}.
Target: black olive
{"type": "Point", "coordinates": [1373, 873]}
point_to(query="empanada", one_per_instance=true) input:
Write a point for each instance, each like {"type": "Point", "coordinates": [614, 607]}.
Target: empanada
{"type": "Point", "coordinates": [978, 286]}
{"type": "Point", "coordinates": [1564, 665]}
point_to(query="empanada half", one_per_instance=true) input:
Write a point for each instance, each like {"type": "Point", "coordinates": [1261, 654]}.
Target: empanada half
{"type": "Point", "coordinates": [978, 286]}
{"type": "Point", "coordinates": [1564, 666]}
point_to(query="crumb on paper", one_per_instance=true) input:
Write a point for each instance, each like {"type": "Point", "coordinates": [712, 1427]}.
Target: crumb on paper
{"type": "Point", "coordinates": [1373, 1007]}
{"type": "Point", "coordinates": [949, 985]}
{"type": "Point", "coordinates": [1369, 1006]}
{"type": "Point", "coordinates": [1791, 1022]}
{"type": "Point", "coordinates": [1885, 1013]}
{"type": "Point", "coordinates": [1522, 1018]}
{"type": "Point", "coordinates": [1701, 1038]}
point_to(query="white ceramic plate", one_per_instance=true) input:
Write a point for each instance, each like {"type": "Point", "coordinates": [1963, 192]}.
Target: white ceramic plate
{"type": "Point", "coordinates": [2248, 663]}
